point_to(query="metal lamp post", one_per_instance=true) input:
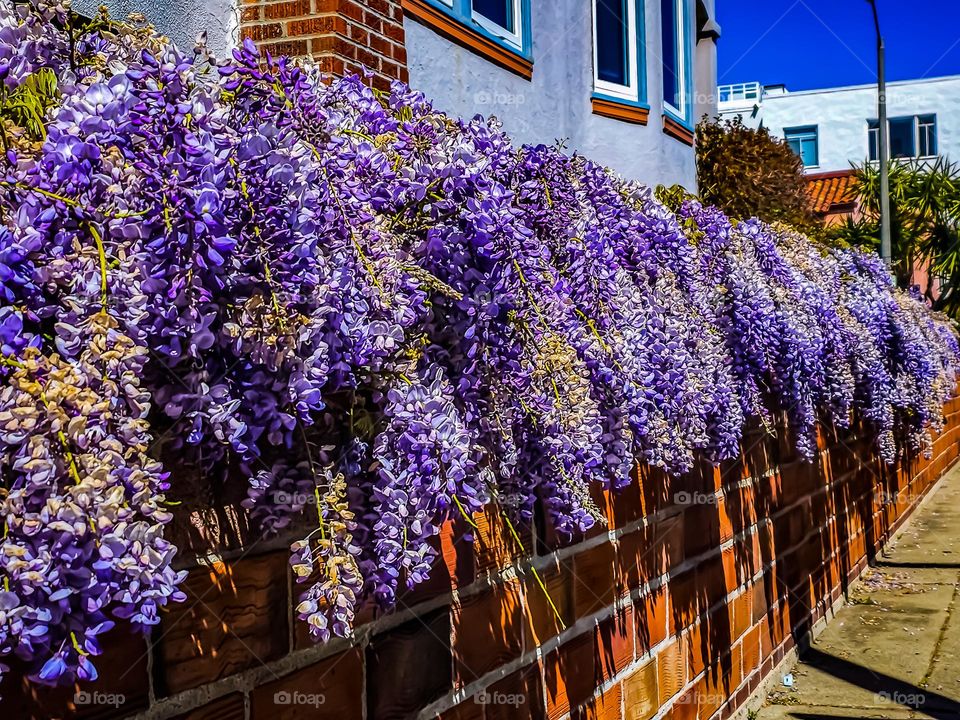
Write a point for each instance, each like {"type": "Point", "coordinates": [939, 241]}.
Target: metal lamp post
{"type": "Point", "coordinates": [885, 245]}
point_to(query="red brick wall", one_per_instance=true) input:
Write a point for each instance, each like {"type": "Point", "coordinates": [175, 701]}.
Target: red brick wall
{"type": "Point", "coordinates": [697, 590]}
{"type": "Point", "coordinates": [344, 35]}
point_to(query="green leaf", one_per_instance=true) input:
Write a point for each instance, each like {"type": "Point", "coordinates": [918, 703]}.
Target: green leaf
{"type": "Point", "coordinates": [28, 104]}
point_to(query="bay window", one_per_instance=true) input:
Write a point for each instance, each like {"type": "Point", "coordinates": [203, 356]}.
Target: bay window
{"type": "Point", "coordinates": [675, 26]}
{"type": "Point", "coordinates": [618, 50]}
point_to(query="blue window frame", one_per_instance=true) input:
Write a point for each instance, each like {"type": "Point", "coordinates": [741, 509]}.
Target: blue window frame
{"type": "Point", "coordinates": [619, 51]}
{"type": "Point", "coordinates": [805, 142]}
{"type": "Point", "coordinates": [505, 22]}
{"type": "Point", "coordinates": [676, 52]}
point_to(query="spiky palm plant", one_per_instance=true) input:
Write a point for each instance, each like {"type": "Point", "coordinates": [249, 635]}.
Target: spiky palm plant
{"type": "Point", "coordinates": [925, 224]}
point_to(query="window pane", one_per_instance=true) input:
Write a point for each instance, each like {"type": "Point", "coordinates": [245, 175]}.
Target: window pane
{"type": "Point", "coordinates": [924, 139]}
{"type": "Point", "coordinates": [808, 152]}
{"type": "Point", "coordinates": [902, 138]}
{"type": "Point", "coordinates": [928, 135]}
{"type": "Point", "coordinates": [932, 140]}
{"type": "Point", "coordinates": [612, 41]}
{"type": "Point", "coordinates": [498, 11]}
{"type": "Point", "coordinates": [873, 137]}
{"type": "Point", "coordinates": [671, 69]}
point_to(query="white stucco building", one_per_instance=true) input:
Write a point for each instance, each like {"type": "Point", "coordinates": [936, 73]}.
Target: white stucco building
{"type": "Point", "coordinates": [833, 128]}
{"type": "Point", "coordinates": [581, 90]}
{"type": "Point", "coordinates": [621, 81]}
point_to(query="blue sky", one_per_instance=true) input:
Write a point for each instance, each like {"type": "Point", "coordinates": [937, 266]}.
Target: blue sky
{"type": "Point", "coordinates": [809, 44]}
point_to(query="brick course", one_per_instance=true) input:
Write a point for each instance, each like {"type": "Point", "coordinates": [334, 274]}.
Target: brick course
{"type": "Point", "coordinates": [680, 607]}
{"type": "Point", "coordinates": [345, 36]}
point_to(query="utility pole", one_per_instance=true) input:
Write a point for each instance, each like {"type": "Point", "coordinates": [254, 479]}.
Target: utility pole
{"type": "Point", "coordinates": [886, 250]}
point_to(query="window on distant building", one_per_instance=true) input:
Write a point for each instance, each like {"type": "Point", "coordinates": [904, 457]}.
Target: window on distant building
{"type": "Point", "coordinates": [676, 58]}
{"type": "Point", "coordinates": [804, 141]}
{"type": "Point", "coordinates": [912, 136]}
{"type": "Point", "coordinates": [618, 50]}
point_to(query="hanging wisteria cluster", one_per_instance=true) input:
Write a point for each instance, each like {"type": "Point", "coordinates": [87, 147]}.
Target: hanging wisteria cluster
{"type": "Point", "coordinates": [374, 316]}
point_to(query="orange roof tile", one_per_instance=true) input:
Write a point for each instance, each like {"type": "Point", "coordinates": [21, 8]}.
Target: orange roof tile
{"type": "Point", "coordinates": [830, 189]}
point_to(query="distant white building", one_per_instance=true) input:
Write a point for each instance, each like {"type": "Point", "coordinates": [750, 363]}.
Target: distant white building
{"type": "Point", "coordinates": [831, 129]}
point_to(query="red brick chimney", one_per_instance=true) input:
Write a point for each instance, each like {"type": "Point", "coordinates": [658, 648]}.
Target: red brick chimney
{"type": "Point", "coordinates": [343, 35]}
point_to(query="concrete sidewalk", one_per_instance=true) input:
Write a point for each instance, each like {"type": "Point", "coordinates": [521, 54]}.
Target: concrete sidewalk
{"type": "Point", "coordinates": [894, 651]}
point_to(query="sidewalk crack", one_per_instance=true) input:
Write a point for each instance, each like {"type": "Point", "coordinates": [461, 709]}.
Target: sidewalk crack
{"type": "Point", "coordinates": [940, 638]}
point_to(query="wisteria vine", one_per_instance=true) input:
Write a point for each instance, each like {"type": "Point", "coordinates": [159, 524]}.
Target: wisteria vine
{"type": "Point", "coordinates": [373, 315]}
